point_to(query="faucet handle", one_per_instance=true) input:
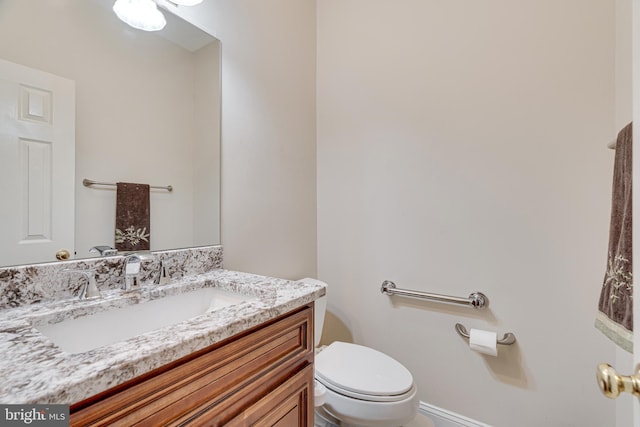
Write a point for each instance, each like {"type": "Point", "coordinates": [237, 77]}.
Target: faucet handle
{"type": "Point", "coordinates": [104, 250]}
{"type": "Point", "coordinates": [90, 288]}
{"type": "Point", "coordinates": [163, 277]}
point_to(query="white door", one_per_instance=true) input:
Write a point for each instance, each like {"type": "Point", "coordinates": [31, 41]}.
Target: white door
{"type": "Point", "coordinates": [37, 164]}
{"type": "Point", "coordinates": [635, 54]}
{"type": "Point", "coordinates": [631, 380]}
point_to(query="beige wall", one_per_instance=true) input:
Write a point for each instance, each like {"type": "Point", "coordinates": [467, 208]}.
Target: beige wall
{"type": "Point", "coordinates": [268, 132]}
{"type": "Point", "coordinates": [461, 147]}
{"type": "Point", "coordinates": [206, 209]}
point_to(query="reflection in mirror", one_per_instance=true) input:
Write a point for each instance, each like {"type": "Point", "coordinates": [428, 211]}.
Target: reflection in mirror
{"type": "Point", "coordinates": [147, 110]}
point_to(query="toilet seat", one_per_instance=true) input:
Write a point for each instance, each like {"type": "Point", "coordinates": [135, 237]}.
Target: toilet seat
{"type": "Point", "coordinates": [363, 373]}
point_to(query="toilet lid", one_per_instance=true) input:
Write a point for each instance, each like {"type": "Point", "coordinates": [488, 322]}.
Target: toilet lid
{"type": "Point", "coordinates": [362, 370]}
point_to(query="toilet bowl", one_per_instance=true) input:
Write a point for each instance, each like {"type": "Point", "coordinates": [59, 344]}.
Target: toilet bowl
{"type": "Point", "coordinates": [361, 386]}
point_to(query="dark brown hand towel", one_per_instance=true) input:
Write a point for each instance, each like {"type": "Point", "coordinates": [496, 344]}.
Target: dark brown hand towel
{"type": "Point", "coordinates": [615, 309]}
{"type": "Point", "coordinates": [133, 222]}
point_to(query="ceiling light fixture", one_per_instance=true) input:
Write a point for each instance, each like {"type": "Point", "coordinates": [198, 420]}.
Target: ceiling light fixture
{"type": "Point", "coordinates": [186, 2]}
{"type": "Point", "coordinates": [141, 14]}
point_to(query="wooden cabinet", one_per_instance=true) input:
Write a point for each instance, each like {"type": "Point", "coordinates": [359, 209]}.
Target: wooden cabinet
{"type": "Point", "coordinates": [288, 405]}
{"type": "Point", "coordinates": [261, 377]}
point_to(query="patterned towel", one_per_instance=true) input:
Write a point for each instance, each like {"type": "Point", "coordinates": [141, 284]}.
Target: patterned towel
{"type": "Point", "coordinates": [615, 309]}
{"type": "Point", "coordinates": [133, 220]}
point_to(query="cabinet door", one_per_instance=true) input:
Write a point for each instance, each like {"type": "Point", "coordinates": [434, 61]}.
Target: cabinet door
{"type": "Point", "coordinates": [287, 406]}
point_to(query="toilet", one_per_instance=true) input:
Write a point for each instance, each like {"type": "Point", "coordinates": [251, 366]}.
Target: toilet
{"type": "Point", "coordinates": [357, 385]}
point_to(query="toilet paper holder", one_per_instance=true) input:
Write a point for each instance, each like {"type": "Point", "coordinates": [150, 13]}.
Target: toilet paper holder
{"type": "Point", "coordinates": [507, 339]}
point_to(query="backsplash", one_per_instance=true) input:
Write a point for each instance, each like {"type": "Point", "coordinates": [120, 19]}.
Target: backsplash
{"type": "Point", "coordinates": [30, 284]}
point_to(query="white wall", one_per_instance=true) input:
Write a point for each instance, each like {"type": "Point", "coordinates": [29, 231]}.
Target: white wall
{"type": "Point", "coordinates": [268, 132]}
{"type": "Point", "coordinates": [461, 147]}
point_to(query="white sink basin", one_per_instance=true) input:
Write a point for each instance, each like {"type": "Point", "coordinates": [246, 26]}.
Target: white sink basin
{"type": "Point", "coordinates": [119, 324]}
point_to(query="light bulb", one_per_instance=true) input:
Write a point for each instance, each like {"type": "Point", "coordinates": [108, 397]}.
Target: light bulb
{"type": "Point", "coordinates": [141, 14]}
{"type": "Point", "coordinates": [186, 2]}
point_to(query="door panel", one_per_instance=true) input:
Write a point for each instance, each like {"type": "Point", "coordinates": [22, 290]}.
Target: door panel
{"type": "Point", "coordinates": [37, 164]}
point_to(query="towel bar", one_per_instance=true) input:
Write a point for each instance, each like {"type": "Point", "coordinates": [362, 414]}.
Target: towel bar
{"type": "Point", "coordinates": [507, 339]}
{"type": "Point", "coordinates": [475, 299]}
{"type": "Point", "coordinates": [89, 182]}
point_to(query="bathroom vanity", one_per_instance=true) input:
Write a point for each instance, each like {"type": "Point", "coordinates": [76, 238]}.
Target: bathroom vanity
{"type": "Point", "coordinates": [264, 375]}
{"type": "Point", "coordinates": [245, 362]}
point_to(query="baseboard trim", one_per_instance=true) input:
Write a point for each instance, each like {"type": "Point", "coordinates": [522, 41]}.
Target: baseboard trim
{"type": "Point", "coordinates": [444, 418]}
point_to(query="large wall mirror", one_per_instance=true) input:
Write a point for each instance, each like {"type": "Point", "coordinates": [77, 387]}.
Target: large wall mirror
{"type": "Point", "coordinates": [145, 108]}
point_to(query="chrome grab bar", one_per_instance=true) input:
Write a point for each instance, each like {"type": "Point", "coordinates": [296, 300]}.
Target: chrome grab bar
{"type": "Point", "coordinates": [475, 299]}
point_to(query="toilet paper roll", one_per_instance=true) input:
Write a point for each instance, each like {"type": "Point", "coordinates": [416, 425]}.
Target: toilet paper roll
{"type": "Point", "coordinates": [485, 342]}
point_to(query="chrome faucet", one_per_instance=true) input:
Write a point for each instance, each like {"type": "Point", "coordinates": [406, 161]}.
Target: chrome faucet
{"type": "Point", "coordinates": [90, 288]}
{"type": "Point", "coordinates": [131, 272]}
{"type": "Point", "coordinates": [104, 250]}
{"type": "Point", "coordinates": [163, 277]}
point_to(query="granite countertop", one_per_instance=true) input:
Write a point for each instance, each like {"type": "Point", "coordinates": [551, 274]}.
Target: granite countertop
{"type": "Point", "coordinates": [34, 370]}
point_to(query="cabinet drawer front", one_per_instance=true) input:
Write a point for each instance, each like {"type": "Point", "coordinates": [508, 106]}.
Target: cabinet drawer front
{"type": "Point", "coordinates": [213, 377]}
{"type": "Point", "coordinates": [288, 405]}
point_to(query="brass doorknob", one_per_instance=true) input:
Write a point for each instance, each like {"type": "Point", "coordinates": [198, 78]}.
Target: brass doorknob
{"type": "Point", "coordinates": [62, 255]}
{"type": "Point", "coordinates": [611, 384]}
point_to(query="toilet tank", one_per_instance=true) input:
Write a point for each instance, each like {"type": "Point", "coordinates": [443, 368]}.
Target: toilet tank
{"type": "Point", "coordinates": [319, 310]}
